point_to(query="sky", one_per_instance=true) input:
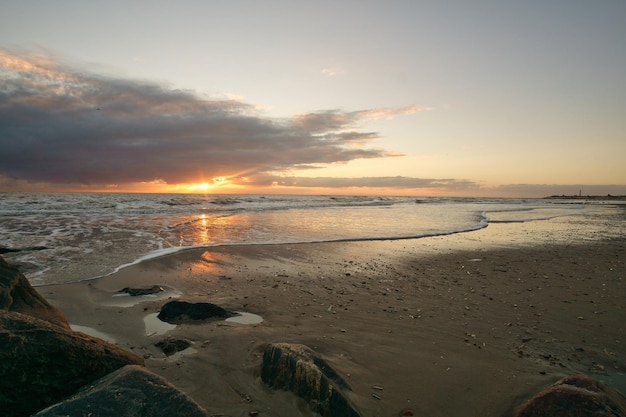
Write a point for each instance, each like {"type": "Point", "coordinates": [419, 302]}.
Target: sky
{"type": "Point", "coordinates": [451, 98]}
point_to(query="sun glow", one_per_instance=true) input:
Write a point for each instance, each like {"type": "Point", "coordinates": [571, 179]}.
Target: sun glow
{"type": "Point", "coordinates": [208, 186]}
{"type": "Point", "coordinates": [203, 186]}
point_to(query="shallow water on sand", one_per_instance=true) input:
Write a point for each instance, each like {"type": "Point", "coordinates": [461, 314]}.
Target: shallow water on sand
{"type": "Point", "coordinates": [57, 238]}
{"type": "Point", "coordinates": [245, 318]}
{"type": "Point", "coordinates": [154, 326]}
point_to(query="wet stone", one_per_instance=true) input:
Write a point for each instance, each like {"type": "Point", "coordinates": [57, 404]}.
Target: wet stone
{"type": "Point", "coordinates": [177, 312]}
{"type": "Point", "coordinates": [136, 292]}
{"type": "Point", "coordinates": [171, 346]}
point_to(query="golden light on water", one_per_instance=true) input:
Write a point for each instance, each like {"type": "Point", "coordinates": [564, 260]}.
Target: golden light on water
{"type": "Point", "coordinates": [204, 229]}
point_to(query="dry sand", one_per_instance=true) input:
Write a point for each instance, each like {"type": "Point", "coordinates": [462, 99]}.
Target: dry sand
{"type": "Point", "coordinates": [465, 325]}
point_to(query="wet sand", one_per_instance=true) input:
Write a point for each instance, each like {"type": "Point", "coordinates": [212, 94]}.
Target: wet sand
{"type": "Point", "coordinates": [468, 324]}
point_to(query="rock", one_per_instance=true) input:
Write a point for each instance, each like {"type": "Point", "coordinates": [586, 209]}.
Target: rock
{"type": "Point", "coordinates": [177, 312]}
{"type": "Point", "coordinates": [42, 363]}
{"type": "Point", "coordinates": [296, 368]}
{"type": "Point", "coordinates": [576, 396]}
{"type": "Point", "coordinates": [136, 292]}
{"type": "Point", "coordinates": [128, 392]}
{"type": "Point", "coordinates": [170, 345]}
{"type": "Point", "coordinates": [4, 249]}
{"type": "Point", "coordinates": [16, 294]}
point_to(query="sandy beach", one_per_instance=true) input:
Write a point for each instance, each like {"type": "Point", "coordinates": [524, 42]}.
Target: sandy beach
{"type": "Point", "coordinates": [472, 324]}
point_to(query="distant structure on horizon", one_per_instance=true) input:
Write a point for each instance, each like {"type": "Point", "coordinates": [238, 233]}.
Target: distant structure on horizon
{"type": "Point", "coordinates": [589, 197]}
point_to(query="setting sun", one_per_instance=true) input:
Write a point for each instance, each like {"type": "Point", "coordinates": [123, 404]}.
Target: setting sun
{"type": "Point", "coordinates": [215, 183]}
{"type": "Point", "coordinates": [203, 186]}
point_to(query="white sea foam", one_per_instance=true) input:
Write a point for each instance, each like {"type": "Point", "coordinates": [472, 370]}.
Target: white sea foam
{"type": "Point", "coordinates": [72, 237]}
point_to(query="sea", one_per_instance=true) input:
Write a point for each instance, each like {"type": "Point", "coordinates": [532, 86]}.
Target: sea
{"type": "Point", "coordinates": [67, 237]}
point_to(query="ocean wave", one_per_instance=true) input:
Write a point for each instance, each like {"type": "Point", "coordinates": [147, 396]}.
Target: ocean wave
{"type": "Point", "coordinates": [92, 234]}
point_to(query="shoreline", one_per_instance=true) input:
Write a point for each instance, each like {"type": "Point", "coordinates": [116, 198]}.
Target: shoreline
{"type": "Point", "coordinates": [66, 243]}
{"type": "Point", "coordinates": [487, 318]}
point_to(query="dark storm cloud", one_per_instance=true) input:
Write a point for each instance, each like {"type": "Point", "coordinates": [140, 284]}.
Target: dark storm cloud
{"type": "Point", "coordinates": [60, 125]}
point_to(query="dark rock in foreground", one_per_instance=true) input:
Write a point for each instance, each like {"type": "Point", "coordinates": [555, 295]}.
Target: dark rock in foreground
{"type": "Point", "coordinates": [576, 396]}
{"type": "Point", "coordinates": [41, 363]}
{"type": "Point", "coordinates": [16, 294]}
{"type": "Point", "coordinates": [177, 312]}
{"type": "Point", "coordinates": [128, 392]}
{"type": "Point", "coordinates": [170, 345]}
{"type": "Point", "coordinates": [296, 368]}
{"type": "Point", "coordinates": [136, 292]}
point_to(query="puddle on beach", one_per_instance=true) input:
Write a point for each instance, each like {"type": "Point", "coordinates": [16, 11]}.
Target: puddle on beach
{"type": "Point", "coordinates": [154, 326]}
{"type": "Point", "coordinates": [93, 332]}
{"type": "Point", "coordinates": [245, 318]}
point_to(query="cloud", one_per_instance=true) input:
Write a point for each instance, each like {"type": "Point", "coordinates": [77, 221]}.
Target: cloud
{"type": "Point", "coordinates": [329, 72]}
{"type": "Point", "coordinates": [60, 125]}
{"type": "Point", "coordinates": [334, 120]}
{"type": "Point", "coordinates": [397, 182]}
